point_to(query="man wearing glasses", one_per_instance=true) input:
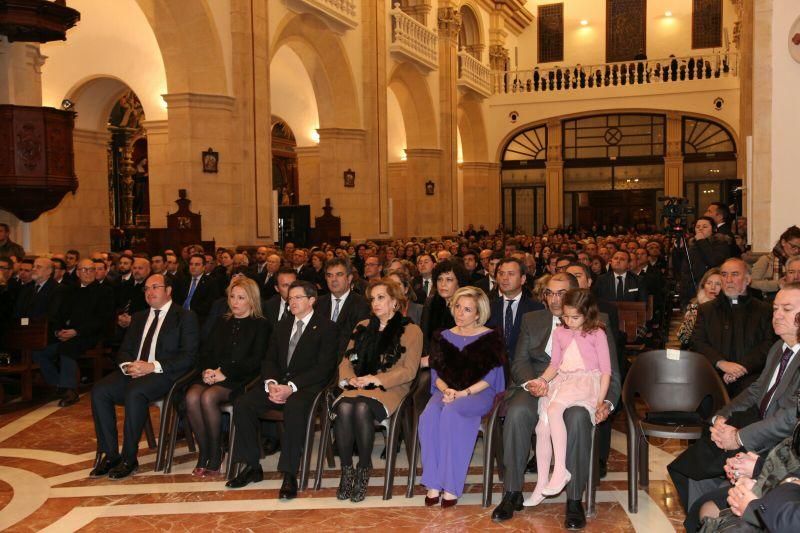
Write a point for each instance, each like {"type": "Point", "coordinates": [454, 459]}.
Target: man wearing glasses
{"type": "Point", "coordinates": [83, 316]}
{"type": "Point", "coordinates": [159, 347]}
{"type": "Point", "coordinates": [531, 358]}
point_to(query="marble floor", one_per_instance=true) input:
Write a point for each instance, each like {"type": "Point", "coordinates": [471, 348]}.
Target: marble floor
{"type": "Point", "coordinates": [46, 454]}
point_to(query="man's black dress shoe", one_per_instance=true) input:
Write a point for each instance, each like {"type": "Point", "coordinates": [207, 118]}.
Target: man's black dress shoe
{"type": "Point", "coordinates": [105, 466]}
{"type": "Point", "coordinates": [271, 447]}
{"type": "Point", "coordinates": [576, 519]}
{"type": "Point", "coordinates": [249, 474]}
{"type": "Point", "coordinates": [288, 487]}
{"type": "Point", "coordinates": [70, 397]}
{"type": "Point", "coordinates": [123, 470]}
{"type": "Point", "coordinates": [530, 468]}
{"type": "Point", "coordinates": [512, 501]}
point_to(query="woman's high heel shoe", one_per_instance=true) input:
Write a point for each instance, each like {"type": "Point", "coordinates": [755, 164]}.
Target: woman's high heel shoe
{"type": "Point", "coordinates": [346, 483]}
{"type": "Point", "coordinates": [361, 485]}
{"type": "Point", "coordinates": [431, 501]}
{"type": "Point", "coordinates": [449, 503]}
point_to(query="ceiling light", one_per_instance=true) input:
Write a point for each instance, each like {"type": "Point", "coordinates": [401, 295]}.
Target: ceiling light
{"type": "Point", "coordinates": [667, 13]}
{"type": "Point", "coordinates": [584, 22]}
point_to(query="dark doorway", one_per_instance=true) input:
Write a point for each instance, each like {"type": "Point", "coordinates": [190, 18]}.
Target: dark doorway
{"type": "Point", "coordinates": [627, 208]}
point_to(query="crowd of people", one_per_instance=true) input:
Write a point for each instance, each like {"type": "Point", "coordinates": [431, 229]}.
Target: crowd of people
{"type": "Point", "coordinates": [456, 323]}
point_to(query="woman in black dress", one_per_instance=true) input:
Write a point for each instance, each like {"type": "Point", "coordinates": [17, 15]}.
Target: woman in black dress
{"type": "Point", "coordinates": [229, 359]}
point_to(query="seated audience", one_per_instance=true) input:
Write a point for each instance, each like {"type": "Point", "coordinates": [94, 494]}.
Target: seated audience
{"type": "Point", "coordinates": [708, 249]}
{"type": "Point", "coordinates": [198, 291]}
{"type": "Point", "coordinates": [756, 420]}
{"type": "Point", "coordinates": [42, 298]}
{"type": "Point", "coordinates": [709, 288]}
{"type": "Point", "coordinates": [130, 297]}
{"type": "Point", "coordinates": [159, 347]}
{"type": "Point", "coordinates": [411, 309]}
{"type": "Point", "coordinates": [228, 360]}
{"type": "Point", "coordinates": [83, 316]}
{"type": "Point", "coordinates": [341, 305]}
{"type": "Point", "coordinates": [277, 307]}
{"type": "Point", "coordinates": [620, 284]}
{"type": "Point", "coordinates": [375, 375]}
{"type": "Point", "coordinates": [299, 363]}
{"type": "Point", "coordinates": [424, 283]}
{"type": "Point", "coordinates": [792, 270]}
{"type": "Point", "coordinates": [7, 246]}
{"type": "Point", "coordinates": [448, 277]}
{"type": "Point", "coordinates": [771, 267]}
{"type": "Point", "coordinates": [466, 374]}
{"type": "Point", "coordinates": [733, 330]}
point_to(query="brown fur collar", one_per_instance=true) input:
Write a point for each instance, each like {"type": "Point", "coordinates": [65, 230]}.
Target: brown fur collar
{"type": "Point", "coordinates": [460, 369]}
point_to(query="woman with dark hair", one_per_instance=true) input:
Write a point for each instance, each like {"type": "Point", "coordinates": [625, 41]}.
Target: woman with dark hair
{"type": "Point", "coordinates": [707, 250]}
{"type": "Point", "coordinates": [771, 268]}
{"type": "Point", "coordinates": [411, 309]}
{"type": "Point", "coordinates": [380, 363]}
{"type": "Point", "coordinates": [449, 276]}
{"type": "Point", "coordinates": [229, 359]}
{"type": "Point", "coordinates": [318, 259]}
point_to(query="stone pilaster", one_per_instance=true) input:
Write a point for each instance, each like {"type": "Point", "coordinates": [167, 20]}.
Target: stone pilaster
{"type": "Point", "coordinates": [481, 185]}
{"type": "Point", "coordinates": [308, 177]}
{"type": "Point", "coordinates": [161, 187]}
{"type": "Point", "coordinates": [422, 165]}
{"type": "Point", "coordinates": [554, 176]}
{"type": "Point", "coordinates": [762, 96]}
{"type": "Point", "coordinates": [673, 160]}
{"type": "Point", "coordinates": [449, 24]}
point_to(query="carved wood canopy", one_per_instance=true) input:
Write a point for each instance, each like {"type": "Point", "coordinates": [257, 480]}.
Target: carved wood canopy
{"type": "Point", "coordinates": [36, 20]}
{"type": "Point", "coordinates": [36, 159]}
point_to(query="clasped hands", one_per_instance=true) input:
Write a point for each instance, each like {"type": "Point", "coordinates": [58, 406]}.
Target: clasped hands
{"type": "Point", "coordinates": [731, 371]}
{"type": "Point", "coordinates": [364, 381]}
{"type": "Point", "coordinates": [278, 394]}
{"type": "Point", "coordinates": [538, 387]}
{"type": "Point", "coordinates": [137, 369]}
{"type": "Point", "coordinates": [66, 334]}
{"type": "Point", "coordinates": [740, 466]}
{"type": "Point", "coordinates": [213, 376]}
{"type": "Point", "coordinates": [741, 494]}
{"type": "Point", "coordinates": [450, 395]}
{"type": "Point", "coordinates": [723, 435]}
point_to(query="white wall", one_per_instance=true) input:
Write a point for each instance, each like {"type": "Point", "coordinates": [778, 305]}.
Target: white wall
{"type": "Point", "coordinates": [292, 96]}
{"type": "Point", "coordinates": [587, 44]}
{"type": "Point", "coordinates": [395, 128]}
{"type": "Point", "coordinates": [221, 13]}
{"type": "Point", "coordinates": [785, 118]}
{"type": "Point", "coordinates": [112, 39]}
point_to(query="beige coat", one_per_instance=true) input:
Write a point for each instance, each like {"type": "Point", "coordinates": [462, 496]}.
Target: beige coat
{"type": "Point", "coordinates": [397, 380]}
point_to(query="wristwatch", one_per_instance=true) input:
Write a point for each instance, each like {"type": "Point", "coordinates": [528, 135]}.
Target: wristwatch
{"type": "Point", "coordinates": [792, 479]}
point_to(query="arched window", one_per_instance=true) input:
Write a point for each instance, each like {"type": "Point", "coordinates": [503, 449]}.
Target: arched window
{"type": "Point", "coordinates": [709, 164]}
{"type": "Point", "coordinates": [523, 179]}
{"type": "Point", "coordinates": [527, 149]}
{"type": "Point", "coordinates": [705, 137]}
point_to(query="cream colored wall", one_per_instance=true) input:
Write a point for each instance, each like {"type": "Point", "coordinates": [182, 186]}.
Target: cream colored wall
{"type": "Point", "coordinates": [785, 118]}
{"type": "Point", "coordinates": [587, 44]}
{"type": "Point", "coordinates": [292, 96]}
{"type": "Point", "coordinates": [396, 130]}
{"type": "Point", "coordinates": [112, 39]}
{"type": "Point", "coordinates": [221, 14]}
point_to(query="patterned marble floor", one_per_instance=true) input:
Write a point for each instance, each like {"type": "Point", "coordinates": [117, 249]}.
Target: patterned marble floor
{"type": "Point", "coordinates": [46, 454]}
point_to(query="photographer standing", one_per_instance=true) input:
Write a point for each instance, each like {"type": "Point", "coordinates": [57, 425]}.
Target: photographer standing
{"type": "Point", "coordinates": [708, 249]}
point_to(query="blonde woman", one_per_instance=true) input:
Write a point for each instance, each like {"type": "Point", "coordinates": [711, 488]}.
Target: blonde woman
{"type": "Point", "coordinates": [708, 289]}
{"type": "Point", "coordinates": [229, 358]}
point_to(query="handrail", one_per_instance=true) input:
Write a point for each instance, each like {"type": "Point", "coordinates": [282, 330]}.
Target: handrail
{"type": "Point", "coordinates": [413, 39]}
{"type": "Point", "coordinates": [474, 74]}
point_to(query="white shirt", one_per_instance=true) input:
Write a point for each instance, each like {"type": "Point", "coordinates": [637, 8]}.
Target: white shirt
{"type": "Point", "coordinates": [341, 299]}
{"type": "Point", "coordinates": [556, 322]}
{"type": "Point", "coordinates": [794, 349]}
{"type": "Point", "coordinates": [514, 305]}
{"type": "Point", "coordinates": [281, 309]}
{"type": "Point", "coordinates": [305, 320]}
{"type": "Point", "coordinates": [151, 357]}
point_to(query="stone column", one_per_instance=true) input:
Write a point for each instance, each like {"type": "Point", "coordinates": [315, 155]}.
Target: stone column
{"type": "Point", "coordinates": [160, 187]}
{"type": "Point", "coordinates": [481, 193]}
{"type": "Point", "coordinates": [673, 160]}
{"type": "Point", "coordinates": [762, 102]}
{"type": "Point", "coordinates": [422, 165]}
{"type": "Point", "coordinates": [398, 197]}
{"type": "Point", "coordinates": [198, 122]}
{"type": "Point", "coordinates": [449, 21]}
{"type": "Point", "coordinates": [308, 176]}
{"type": "Point", "coordinates": [554, 176]}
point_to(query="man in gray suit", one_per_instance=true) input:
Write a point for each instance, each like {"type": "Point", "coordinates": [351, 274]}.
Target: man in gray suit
{"type": "Point", "coordinates": [531, 358]}
{"type": "Point", "coordinates": [757, 419]}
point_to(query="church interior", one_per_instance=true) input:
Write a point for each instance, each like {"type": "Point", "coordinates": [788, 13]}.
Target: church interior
{"type": "Point", "coordinates": [150, 133]}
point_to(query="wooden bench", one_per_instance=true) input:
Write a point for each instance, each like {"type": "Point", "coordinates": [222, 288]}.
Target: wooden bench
{"type": "Point", "coordinates": [23, 338]}
{"type": "Point", "coordinates": [633, 316]}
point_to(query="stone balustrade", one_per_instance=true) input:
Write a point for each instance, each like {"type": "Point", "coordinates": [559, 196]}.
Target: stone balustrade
{"type": "Point", "coordinates": [344, 12]}
{"type": "Point", "coordinates": [474, 74]}
{"type": "Point", "coordinates": [413, 40]}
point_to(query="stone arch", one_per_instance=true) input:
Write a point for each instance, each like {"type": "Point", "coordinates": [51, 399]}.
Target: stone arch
{"type": "Point", "coordinates": [414, 97]}
{"type": "Point", "coordinates": [472, 128]}
{"type": "Point", "coordinates": [470, 35]}
{"type": "Point", "coordinates": [190, 45]}
{"type": "Point", "coordinates": [94, 98]}
{"type": "Point", "coordinates": [325, 59]}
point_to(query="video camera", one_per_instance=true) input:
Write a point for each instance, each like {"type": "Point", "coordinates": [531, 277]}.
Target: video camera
{"type": "Point", "coordinates": [675, 213]}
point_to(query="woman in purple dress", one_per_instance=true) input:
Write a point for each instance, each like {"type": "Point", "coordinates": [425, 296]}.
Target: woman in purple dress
{"type": "Point", "coordinates": [466, 364]}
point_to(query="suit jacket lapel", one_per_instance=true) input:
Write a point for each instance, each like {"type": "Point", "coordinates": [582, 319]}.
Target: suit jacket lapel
{"type": "Point", "coordinates": [788, 374]}
{"type": "Point", "coordinates": [544, 327]}
{"type": "Point", "coordinates": [166, 325]}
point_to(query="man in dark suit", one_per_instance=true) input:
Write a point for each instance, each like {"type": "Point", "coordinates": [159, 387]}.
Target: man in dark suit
{"type": "Point", "coordinates": [305, 272]}
{"type": "Point", "coordinates": [71, 259]}
{"type": "Point", "coordinates": [733, 330]}
{"type": "Point", "coordinates": [473, 267]}
{"type": "Point", "coordinates": [130, 294]}
{"type": "Point", "coordinates": [341, 305]}
{"type": "Point", "coordinates": [159, 347]}
{"type": "Point", "coordinates": [423, 284]}
{"type": "Point", "coordinates": [42, 297]}
{"type": "Point", "coordinates": [721, 214]}
{"type": "Point", "coordinates": [489, 283]}
{"type": "Point", "coordinates": [83, 316]}
{"type": "Point", "coordinates": [277, 307]}
{"type": "Point", "coordinates": [531, 359]}
{"type": "Point", "coordinates": [268, 279]}
{"type": "Point", "coordinates": [620, 284]}
{"type": "Point", "coordinates": [299, 363]}
{"type": "Point", "coordinates": [754, 421]}
{"type": "Point", "coordinates": [507, 312]}
{"type": "Point", "coordinates": [258, 270]}
{"type": "Point", "coordinates": [199, 290]}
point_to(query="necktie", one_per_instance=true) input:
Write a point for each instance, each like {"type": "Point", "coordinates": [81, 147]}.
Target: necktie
{"type": "Point", "coordinates": [509, 322]}
{"type": "Point", "coordinates": [286, 311]}
{"type": "Point", "coordinates": [336, 310]}
{"type": "Point", "coordinates": [293, 341]}
{"type": "Point", "coordinates": [620, 291]}
{"type": "Point", "coordinates": [425, 286]}
{"type": "Point", "coordinates": [787, 354]}
{"type": "Point", "coordinates": [188, 302]}
{"type": "Point", "coordinates": [38, 288]}
{"type": "Point", "coordinates": [144, 354]}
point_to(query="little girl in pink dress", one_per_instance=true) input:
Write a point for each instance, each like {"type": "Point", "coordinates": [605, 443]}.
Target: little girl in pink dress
{"type": "Point", "coordinates": [578, 375]}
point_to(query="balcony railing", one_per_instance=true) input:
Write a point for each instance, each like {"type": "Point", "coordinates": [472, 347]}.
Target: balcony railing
{"type": "Point", "coordinates": [626, 73]}
{"type": "Point", "coordinates": [413, 40]}
{"type": "Point", "coordinates": [342, 11]}
{"type": "Point", "coordinates": [474, 74]}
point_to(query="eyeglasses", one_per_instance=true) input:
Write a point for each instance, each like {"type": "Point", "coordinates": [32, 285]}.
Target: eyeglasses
{"type": "Point", "coordinates": [153, 287]}
{"type": "Point", "coordinates": [290, 298]}
{"type": "Point", "coordinates": [86, 269]}
{"type": "Point", "coordinates": [557, 295]}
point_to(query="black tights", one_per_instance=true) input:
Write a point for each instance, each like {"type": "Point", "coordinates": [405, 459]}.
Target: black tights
{"type": "Point", "coordinates": [354, 424]}
{"type": "Point", "coordinates": [202, 406]}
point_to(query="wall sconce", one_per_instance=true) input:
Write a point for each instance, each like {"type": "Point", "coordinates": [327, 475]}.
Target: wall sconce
{"type": "Point", "coordinates": [584, 22]}
{"type": "Point", "coordinates": [429, 188]}
{"type": "Point", "coordinates": [210, 161]}
{"type": "Point", "coordinates": [349, 178]}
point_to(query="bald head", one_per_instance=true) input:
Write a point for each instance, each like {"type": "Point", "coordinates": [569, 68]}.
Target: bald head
{"type": "Point", "coordinates": [140, 269]}
{"type": "Point", "coordinates": [42, 270]}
